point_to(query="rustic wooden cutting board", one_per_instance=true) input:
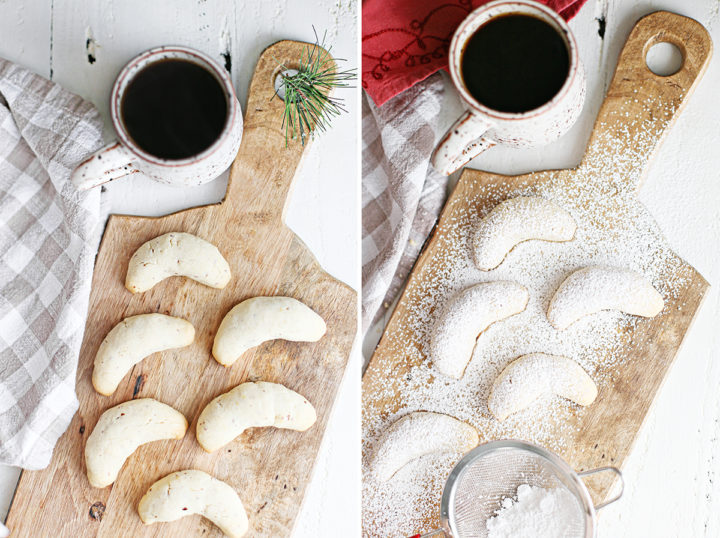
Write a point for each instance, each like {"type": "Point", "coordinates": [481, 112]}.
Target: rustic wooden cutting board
{"type": "Point", "coordinates": [636, 99]}
{"type": "Point", "coordinates": [270, 468]}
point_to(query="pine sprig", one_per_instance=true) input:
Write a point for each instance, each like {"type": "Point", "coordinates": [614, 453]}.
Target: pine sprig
{"type": "Point", "coordinates": [308, 105]}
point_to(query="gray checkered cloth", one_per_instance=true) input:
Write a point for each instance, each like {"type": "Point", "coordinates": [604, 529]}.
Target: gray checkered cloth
{"type": "Point", "coordinates": [48, 240]}
{"type": "Point", "coordinates": [402, 195]}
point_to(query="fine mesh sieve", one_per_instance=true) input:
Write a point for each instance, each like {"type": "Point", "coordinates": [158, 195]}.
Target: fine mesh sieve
{"type": "Point", "coordinates": [491, 472]}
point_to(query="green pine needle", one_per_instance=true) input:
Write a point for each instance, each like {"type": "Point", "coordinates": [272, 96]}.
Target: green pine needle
{"type": "Point", "coordinates": [307, 105]}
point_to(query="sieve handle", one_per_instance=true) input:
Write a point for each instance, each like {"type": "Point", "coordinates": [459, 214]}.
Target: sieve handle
{"type": "Point", "coordinates": [602, 470]}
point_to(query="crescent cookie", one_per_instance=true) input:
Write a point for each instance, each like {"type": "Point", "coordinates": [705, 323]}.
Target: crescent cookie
{"type": "Point", "coordinates": [418, 434]}
{"type": "Point", "coordinates": [252, 405]}
{"type": "Point", "coordinates": [259, 319]}
{"type": "Point", "coordinates": [595, 288]}
{"type": "Point", "coordinates": [176, 254]}
{"type": "Point", "coordinates": [189, 492]}
{"type": "Point", "coordinates": [516, 220]}
{"type": "Point", "coordinates": [466, 315]}
{"type": "Point", "coordinates": [528, 377]}
{"type": "Point", "coordinates": [122, 429]}
{"type": "Point", "coordinates": [133, 339]}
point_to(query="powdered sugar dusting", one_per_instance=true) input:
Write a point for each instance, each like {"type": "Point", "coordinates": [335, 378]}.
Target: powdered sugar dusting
{"type": "Point", "coordinates": [614, 229]}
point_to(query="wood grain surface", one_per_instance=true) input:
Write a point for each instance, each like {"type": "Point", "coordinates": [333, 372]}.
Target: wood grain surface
{"type": "Point", "coordinates": [635, 98]}
{"type": "Point", "coordinates": [270, 468]}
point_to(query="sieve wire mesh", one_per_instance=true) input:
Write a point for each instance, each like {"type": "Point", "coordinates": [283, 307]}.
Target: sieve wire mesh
{"type": "Point", "coordinates": [480, 482]}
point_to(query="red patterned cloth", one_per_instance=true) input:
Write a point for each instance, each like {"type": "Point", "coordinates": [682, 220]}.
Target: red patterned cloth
{"type": "Point", "coordinates": [405, 41]}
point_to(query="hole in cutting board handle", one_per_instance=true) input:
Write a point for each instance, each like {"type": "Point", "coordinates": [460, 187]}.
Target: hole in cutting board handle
{"type": "Point", "coordinates": [279, 88]}
{"type": "Point", "coordinates": [664, 59]}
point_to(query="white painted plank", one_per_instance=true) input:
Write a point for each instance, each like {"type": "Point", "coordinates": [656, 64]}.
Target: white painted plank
{"type": "Point", "coordinates": [672, 472]}
{"type": "Point", "coordinates": [25, 34]}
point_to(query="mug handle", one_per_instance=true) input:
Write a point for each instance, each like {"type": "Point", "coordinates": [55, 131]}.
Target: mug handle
{"type": "Point", "coordinates": [108, 163]}
{"type": "Point", "coordinates": [462, 143]}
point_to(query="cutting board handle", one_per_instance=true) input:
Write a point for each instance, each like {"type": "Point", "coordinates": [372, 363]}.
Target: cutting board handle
{"type": "Point", "coordinates": [254, 187]}
{"type": "Point", "coordinates": [640, 106]}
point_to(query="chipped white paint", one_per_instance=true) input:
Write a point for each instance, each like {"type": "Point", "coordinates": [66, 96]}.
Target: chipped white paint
{"type": "Point", "coordinates": [672, 477]}
{"type": "Point", "coordinates": [51, 38]}
{"type": "Point", "coordinates": [91, 45]}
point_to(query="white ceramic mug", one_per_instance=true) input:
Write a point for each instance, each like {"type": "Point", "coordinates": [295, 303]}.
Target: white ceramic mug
{"type": "Point", "coordinates": [124, 156]}
{"type": "Point", "coordinates": [480, 127]}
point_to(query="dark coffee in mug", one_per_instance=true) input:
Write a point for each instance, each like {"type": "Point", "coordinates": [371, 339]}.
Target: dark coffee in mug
{"type": "Point", "coordinates": [174, 109]}
{"type": "Point", "coordinates": [515, 63]}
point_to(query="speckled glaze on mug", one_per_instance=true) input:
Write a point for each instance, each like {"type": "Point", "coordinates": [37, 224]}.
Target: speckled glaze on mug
{"type": "Point", "coordinates": [124, 157]}
{"type": "Point", "coordinates": [480, 127]}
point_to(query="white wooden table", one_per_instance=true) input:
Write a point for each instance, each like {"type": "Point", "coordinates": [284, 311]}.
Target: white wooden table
{"type": "Point", "coordinates": [673, 475]}
{"type": "Point", "coordinates": [82, 44]}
